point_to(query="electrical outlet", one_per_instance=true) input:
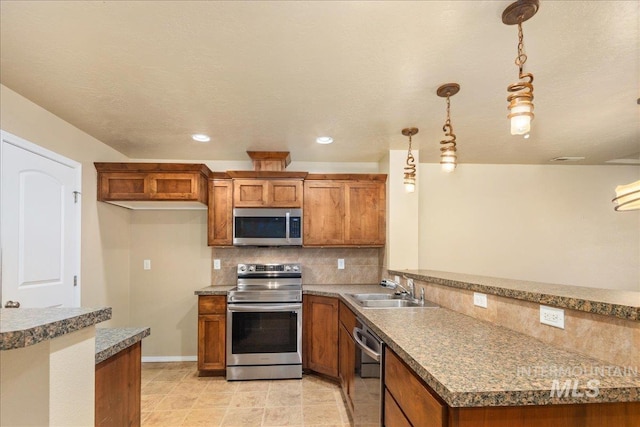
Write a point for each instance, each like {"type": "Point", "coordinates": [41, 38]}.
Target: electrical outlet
{"type": "Point", "coordinates": [396, 279]}
{"type": "Point", "coordinates": [552, 316]}
{"type": "Point", "coordinates": [146, 264]}
{"type": "Point", "coordinates": [216, 264]}
{"type": "Point", "coordinates": [340, 263]}
{"type": "Point", "coordinates": [480, 299]}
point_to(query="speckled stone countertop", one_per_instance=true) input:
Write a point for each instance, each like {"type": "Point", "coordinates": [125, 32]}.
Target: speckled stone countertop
{"type": "Point", "coordinates": [22, 327]}
{"type": "Point", "coordinates": [608, 302]}
{"type": "Point", "coordinates": [111, 341]}
{"type": "Point", "coordinates": [469, 362]}
{"type": "Point", "coordinates": [214, 290]}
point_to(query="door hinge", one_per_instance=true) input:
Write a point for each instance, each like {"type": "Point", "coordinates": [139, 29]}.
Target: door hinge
{"type": "Point", "coordinates": [75, 196]}
{"type": "Point", "coordinates": [75, 280]}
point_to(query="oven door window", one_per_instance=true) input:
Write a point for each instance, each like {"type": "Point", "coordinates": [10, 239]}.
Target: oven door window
{"type": "Point", "coordinates": [264, 332]}
{"type": "Point", "coordinates": [260, 227]}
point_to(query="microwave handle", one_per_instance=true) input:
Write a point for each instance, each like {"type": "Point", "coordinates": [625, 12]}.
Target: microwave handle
{"type": "Point", "coordinates": [287, 227]}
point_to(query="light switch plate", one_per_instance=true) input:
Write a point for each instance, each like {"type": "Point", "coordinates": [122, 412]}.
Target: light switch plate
{"type": "Point", "coordinates": [552, 316]}
{"type": "Point", "coordinates": [146, 264]}
{"type": "Point", "coordinates": [216, 264]}
{"type": "Point", "coordinates": [340, 263]}
{"type": "Point", "coordinates": [480, 300]}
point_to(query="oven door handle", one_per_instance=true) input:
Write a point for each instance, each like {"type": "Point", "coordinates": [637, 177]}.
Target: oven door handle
{"type": "Point", "coordinates": [263, 307]}
{"type": "Point", "coordinates": [357, 337]}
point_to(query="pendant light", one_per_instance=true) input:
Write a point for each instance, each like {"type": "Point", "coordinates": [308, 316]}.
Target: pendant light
{"type": "Point", "coordinates": [448, 156]}
{"type": "Point", "coordinates": [521, 93]}
{"type": "Point", "coordinates": [410, 168]}
{"type": "Point", "coordinates": [627, 197]}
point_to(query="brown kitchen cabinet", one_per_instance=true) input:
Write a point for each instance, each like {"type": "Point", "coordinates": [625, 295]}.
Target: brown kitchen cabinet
{"type": "Point", "coordinates": [220, 213]}
{"type": "Point", "coordinates": [152, 182]}
{"type": "Point", "coordinates": [346, 353]}
{"type": "Point", "coordinates": [344, 212]}
{"type": "Point", "coordinates": [212, 322]}
{"type": "Point", "coordinates": [265, 193]}
{"type": "Point", "coordinates": [320, 335]}
{"type": "Point", "coordinates": [117, 388]}
{"type": "Point", "coordinates": [409, 401]}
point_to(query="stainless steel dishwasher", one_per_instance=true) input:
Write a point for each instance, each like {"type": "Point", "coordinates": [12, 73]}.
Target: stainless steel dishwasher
{"type": "Point", "coordinates": [367, 394]}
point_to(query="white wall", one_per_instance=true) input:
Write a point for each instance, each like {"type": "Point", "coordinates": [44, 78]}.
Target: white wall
{"type": "Point", "coordinates": [403, 227]}
{"type": "Point", "coordinates": [545, 223]}
{"type": "Point", "coordinates": [105, 228]}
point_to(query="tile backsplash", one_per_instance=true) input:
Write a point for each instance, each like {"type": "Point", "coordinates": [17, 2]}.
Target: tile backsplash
{"type": "Point", "coordinates": [319, 265]}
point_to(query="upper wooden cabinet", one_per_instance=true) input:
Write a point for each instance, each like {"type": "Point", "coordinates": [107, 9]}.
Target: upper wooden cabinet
{"type": "Point", "coordinates": [220, 214]}
{"type": "Point", "coordinates": [262, 193]}
{"type": "Point", "coordinates": [345, 212]}
{"type": "Point", "coordinates": [126, 183]}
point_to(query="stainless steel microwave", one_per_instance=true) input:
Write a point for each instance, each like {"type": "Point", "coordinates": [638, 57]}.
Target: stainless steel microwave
{"type": "Point", "coordinates": [267, 227]}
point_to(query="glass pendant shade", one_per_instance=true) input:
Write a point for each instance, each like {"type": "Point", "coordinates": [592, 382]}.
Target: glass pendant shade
{"type": "Point", "coordinates": [409, 184]}
{"type": "Point", "coordinates": [627, 197]}
{"type": "Point", "coordinates": [448, 160]}
{"type": "Point", "coordinates": [521, 114]}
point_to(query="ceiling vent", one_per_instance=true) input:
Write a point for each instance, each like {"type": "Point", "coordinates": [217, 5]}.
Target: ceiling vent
{"type": "Point", "coordinates": [567, 159]}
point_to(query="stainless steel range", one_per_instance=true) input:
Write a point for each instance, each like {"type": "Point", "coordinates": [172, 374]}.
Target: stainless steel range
{"type": "Point", "coordinates": [264, 323]}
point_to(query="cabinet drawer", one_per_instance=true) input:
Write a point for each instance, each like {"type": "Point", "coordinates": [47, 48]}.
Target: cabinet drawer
{"type": "Point", "coordinates": [393, 416]}
{"type": "Point", "coordinates": [212, 304]}
{"type": "Point", "coordinates": [416, 400]}
{"type": "Point", "coordinates": [347, 318]}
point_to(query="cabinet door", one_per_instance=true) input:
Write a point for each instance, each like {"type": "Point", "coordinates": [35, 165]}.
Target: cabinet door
{"type": "Point", "coordinates": [220, 213]}
{"type": "Point", "coordinates": [321, 334]}
{"type": "Point", "coordinates": [365, 205]}
{"type": "Point", "coordinates": [393, 416]}
{"type": "Point", "coordinates": [123, 186]}
{"type": "Point", "coordinates": [250, 193]}
{"type": "Point", "coordinates": [416, 399]}
{"type": "Point", "coordinates": [211, 341]}
{"type": "Point", "coordinates": [323, 213]}
{"type": "Point", "coordinates": [173, 186]}
{"type": "Point", "coordinates": [285, 193]}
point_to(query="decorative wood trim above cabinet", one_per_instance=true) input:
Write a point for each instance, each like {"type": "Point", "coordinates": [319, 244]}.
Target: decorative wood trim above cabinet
{"type": "Point", "coordinates": [267, 174]}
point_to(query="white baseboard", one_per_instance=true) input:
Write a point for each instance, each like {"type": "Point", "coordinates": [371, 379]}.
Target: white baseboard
{"type": "Point", "coordinates": [153, 359]}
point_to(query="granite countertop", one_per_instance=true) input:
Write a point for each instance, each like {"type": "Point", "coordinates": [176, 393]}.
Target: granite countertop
{"type": "Point", "coordinates": [214, 290]}
{"type": "Point", "coordinates": [608, 302]}
{"type": "Point", "coordinates": [22, 327]}
{"type": "Point", "coordinates": [469, 362]}
{"type": "Point", "coordinates": [110, 341]}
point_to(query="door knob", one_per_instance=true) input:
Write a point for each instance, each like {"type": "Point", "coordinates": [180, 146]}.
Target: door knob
{"type": "Point", "coordinates": [12, 304]}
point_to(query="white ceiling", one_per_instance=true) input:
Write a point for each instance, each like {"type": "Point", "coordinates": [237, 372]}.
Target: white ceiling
{"type": "Point", "coordinates": [143, 76]}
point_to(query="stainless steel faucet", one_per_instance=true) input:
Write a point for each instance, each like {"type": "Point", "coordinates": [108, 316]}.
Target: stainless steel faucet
{"type": "Point", "coordinates": [390, 284]}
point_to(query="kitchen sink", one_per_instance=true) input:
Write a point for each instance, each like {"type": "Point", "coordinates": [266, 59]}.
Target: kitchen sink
{"type": "Point", "coordinates": [386, 296]}
{"type": "Point", "coordinates": [385, 300]}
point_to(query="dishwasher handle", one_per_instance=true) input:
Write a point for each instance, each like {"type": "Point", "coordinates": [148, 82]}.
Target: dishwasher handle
{"type": "Point", "coordinates": [360, 342]}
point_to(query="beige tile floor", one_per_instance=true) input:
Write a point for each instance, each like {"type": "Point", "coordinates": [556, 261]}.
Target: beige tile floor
{"type": "Point", "coordinates": [173, 395]}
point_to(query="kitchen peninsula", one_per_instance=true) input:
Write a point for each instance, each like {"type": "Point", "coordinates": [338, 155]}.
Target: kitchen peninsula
{"type": "Point", "coordinates": [49, 359]}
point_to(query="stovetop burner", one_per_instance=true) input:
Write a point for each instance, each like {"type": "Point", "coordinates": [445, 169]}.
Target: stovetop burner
{"type": "Point", "coordinates": [267, 282]}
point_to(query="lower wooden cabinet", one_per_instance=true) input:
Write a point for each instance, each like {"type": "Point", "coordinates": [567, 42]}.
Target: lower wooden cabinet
{"type": "Point", "coordinates": [419, 405]}
{"type": "Point", "coordinates": [393, 416]}
{"type": "Point", "coordinates": [118, 387]}
{"type": "Point", "coordinates": [212, 330]}
{"type": "Point", "coordinates": [320, 335]}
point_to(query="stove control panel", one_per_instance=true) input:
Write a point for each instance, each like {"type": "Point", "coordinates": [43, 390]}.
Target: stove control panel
{"type": "Point", "coordinates": [274, 269]}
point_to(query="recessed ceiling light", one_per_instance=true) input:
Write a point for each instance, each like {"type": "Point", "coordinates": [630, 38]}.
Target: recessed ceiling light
{"type": "Point", "coordinates": [324, 140]}
{"type": "Point", "coordinates": [200, 137]}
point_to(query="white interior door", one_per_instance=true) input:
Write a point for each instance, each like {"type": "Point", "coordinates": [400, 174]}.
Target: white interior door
{"type": "Point", "coordinates": [40, 232]}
